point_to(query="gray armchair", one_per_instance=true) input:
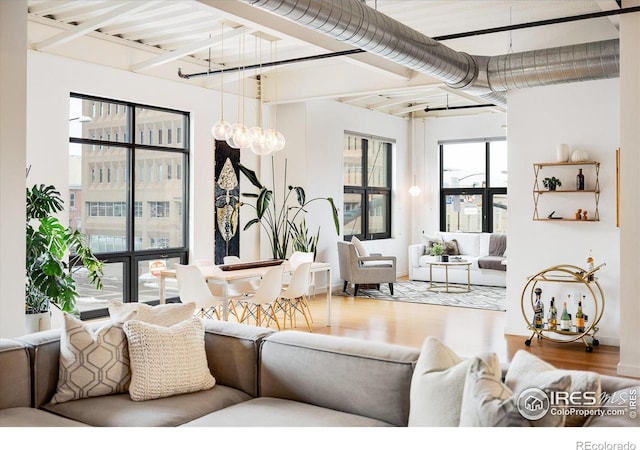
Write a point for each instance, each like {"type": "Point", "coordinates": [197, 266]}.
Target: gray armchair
{"type": "Point", "coordinates": [373, 269]}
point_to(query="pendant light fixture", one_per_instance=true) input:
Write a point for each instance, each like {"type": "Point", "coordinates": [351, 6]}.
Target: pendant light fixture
{"type": "Point", "coordinates": [275, 140]}
{"type": "Point", "coordinates": [220, 128]}
{"type": "Point", "coordinates": [414, 190]}
{"type": "Point", "coordinates": [258, 136]}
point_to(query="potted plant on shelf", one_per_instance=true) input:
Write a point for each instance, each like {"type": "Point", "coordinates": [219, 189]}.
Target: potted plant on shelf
{"type": "Point", "coordinates": [437, 250]}
{"type": "Point", "coordinates": [49, 277]}
{"type": "Point", "coordinates": [284, 222]}
{"type": "Point", "coordinates": [551, 183]}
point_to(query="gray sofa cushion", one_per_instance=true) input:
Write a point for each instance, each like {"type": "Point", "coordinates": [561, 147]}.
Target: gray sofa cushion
{"type": "Point", "coordinates": [276, 412]}
{"type": "Point", "coordinates": [349, 375]}
{"type": "Point", "coordinates": [32, 417]}
{"type": "Point", "coordinates": [120, 411]}
{"type": "Point", "coordinates": [15, 374]}
{"type": "Point", "coordinates": [232, 352]}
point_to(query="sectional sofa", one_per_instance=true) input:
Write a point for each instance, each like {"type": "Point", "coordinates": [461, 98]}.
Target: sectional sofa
{"type": "Point", "coordinates": [287, 379]}
{"type": "Point", "coordinates": [486, 252]}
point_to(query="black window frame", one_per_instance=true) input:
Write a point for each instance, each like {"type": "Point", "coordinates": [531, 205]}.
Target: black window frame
{"type": "Point", "coordinates": [365, 191]}
{"type": "Point", "coordinates": [487, 192]}
{"type": "Point", "coordinates": [132, 257]}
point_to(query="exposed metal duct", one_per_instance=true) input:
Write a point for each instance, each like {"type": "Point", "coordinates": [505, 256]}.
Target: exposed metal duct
{"type": "Point", "coordinates": [354, 22]}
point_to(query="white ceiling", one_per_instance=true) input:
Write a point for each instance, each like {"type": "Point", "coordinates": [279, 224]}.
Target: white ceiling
{"type": "Point", "coordinates": [159, 37]}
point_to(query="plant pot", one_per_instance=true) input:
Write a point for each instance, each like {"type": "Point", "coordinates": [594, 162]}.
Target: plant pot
{"type": "Point", "coordinates": [37, 322]}
{"type": "Point", "coordinates": [552, 187]}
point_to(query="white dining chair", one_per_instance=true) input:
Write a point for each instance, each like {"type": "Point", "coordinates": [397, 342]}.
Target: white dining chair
{"type": "Point", "coordinates": [194, 288]}
{"type": "Point", "coordinates": [293, 298]}
{"type": "Point", "coordinates": [261, 304]}
{"type": "Point", "coordinates": [298, 258]}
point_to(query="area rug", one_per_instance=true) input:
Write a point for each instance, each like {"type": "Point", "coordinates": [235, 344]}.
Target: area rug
{"type": "Point", "coordinates": [481, 297]}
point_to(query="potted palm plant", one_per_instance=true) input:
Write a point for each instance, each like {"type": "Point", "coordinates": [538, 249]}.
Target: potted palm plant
{"type": "Point", "coordinates": [284, 222]}
{"type": "Point", "coordinates": [49, 277]}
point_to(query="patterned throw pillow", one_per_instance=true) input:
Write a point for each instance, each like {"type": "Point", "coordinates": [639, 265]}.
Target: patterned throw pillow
{"type": "Point", "coordinates": [167, 361]}
{"type": "Point", "coordinates": [488, 402]}
{"type": "Point", "coordinates": [91, 363]}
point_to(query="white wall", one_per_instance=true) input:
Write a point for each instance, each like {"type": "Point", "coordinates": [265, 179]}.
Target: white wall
{"type": "Point", "coordinates": [586, 116]}
{"type": "Point", "coordinates": [13, 136]}
{"type": "Point", "coordinates": [630, 192]}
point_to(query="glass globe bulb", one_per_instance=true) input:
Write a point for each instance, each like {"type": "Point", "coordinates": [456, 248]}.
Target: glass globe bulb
{"type": "Point", "coordinates": [232, 129]}
{"type": "Point", "coordinates": [271, 140]}
{"type": "Point", "coordinates": [259, 142]}
{"type": "Point", "coordinates": [219, 129]}
{"type": "Point", "coordinates": [280, 141]}
{"type": "Point", "coordinates": [414, 191]}
{"type": "Point", "coordinates": [242, 137]}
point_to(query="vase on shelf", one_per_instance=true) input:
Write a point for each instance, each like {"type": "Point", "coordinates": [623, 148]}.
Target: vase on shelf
{"type": "Point", "coordinates": [562, 153]}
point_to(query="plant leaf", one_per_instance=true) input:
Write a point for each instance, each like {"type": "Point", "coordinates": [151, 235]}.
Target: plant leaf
{"type": "Point", "coordinates": [263, 202]}
{"type": "Point", "coordinates": [336, 222]}
{"type": "Point", "coordinates": [251, 176]}
{"type": "Point", "coordinates": [300, 195]}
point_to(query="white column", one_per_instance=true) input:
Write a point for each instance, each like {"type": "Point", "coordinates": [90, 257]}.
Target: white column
{"type": "Point", "coordinates": [629, 192]}
{"type": "Point", "coordinates": [13, 145]}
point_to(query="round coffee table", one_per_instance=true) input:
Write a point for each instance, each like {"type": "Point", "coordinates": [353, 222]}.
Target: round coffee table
{"type": "Point", "coordinates": [447, 288]}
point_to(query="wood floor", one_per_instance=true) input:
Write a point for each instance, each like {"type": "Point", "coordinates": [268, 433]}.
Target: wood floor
{"type": "Point", "coordinates": [466, 331]}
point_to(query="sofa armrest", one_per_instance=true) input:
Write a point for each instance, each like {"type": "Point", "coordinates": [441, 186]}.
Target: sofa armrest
{"type": "Point", "coordinates": [371, 258]}
{"type": "Point", "coordinates": [415, 252]}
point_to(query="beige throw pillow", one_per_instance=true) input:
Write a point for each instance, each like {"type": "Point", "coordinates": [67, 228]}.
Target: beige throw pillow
{"type": "Point", "coordinates": [167, 361]}
{"type": "Point", "coordinates": [488, 402]}
{"type": "Point", "coordinates": [437, 385]}
{"type": "Point", "coordinates": [360, 249]}
{"type": "Point", "coordinates": [91, 363]}
{"type": "Point", "coordinates": [527, 370]}
{"type": "Point", "coordinates": [164, 315]}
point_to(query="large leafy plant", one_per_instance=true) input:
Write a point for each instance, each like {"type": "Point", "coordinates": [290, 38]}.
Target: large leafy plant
{"type": "Point", "coordinates": [284, 219]}
{"type": "Point", "coordinates": [48, 275]}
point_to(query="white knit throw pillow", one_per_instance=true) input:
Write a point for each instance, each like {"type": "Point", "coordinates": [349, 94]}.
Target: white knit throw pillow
{"type": "Point", "coordinates": [167, 361]}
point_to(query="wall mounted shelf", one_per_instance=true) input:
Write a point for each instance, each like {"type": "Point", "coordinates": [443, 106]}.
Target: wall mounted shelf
{"type": "Point", "coordinates": [537, 191]}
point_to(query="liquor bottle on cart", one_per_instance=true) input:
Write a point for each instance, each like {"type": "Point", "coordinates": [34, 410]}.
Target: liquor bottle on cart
{"type": "Point", "coordinates": [552, 319]}
{"type": "Point", "coordinates": [579, 318]}
{"type": "Point", "coordinates": [565, 319]}
{"type": "Point", "coordinates": [538, 310]}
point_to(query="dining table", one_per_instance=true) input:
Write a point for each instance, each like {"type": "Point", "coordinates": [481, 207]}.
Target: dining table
{"type": "Point", "coordinates": [229, 275]}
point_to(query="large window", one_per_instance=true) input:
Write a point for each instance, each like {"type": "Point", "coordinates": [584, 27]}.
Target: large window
{"type": "Point", "coordinates": [127, 201]}
{"type": "Point", "coordinates": [473, 186]}
{"type": "Point", "coordinates": [367, 187]}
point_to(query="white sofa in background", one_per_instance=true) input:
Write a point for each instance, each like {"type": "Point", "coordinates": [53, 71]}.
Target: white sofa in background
{"type": "Point", "coordinates": [486, 269]}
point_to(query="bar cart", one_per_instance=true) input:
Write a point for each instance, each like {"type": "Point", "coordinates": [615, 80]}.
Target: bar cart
{"type": "Point", "coordinates": [565, 273]}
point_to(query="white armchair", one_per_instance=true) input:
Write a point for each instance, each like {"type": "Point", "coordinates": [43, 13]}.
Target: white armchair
{"type": "Point", "coordinates": [373, 269]}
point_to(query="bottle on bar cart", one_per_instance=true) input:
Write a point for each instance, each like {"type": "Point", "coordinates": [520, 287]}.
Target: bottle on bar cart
{"type": "Point", "coordinates": [552, 319]}
{"type": "Point", "coordinates": [579, 318]}
{"type": "Point", "coordinates": [565, 319]}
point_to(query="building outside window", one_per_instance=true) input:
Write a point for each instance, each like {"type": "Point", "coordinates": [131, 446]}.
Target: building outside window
{"type": "Point", "coordinates": [367, 179]}
{"type": "Point", "coordinates": [473, 186]}
{"type": "Point", "coordinates": [119, 231]}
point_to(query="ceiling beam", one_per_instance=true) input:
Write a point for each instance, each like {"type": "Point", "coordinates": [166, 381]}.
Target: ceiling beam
{"type": "Point", "coordinates": [184, 51]}
{"type": "Point", "coordinates": [91, 25]}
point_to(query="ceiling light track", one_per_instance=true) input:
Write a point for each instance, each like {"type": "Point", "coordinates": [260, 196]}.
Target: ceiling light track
{"type": "Point", "coordinates": [271, 64]}
{"type": "Point", "coordinates": [538, 23]}
{"type": "Point", "coordinates": [449, 108]}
